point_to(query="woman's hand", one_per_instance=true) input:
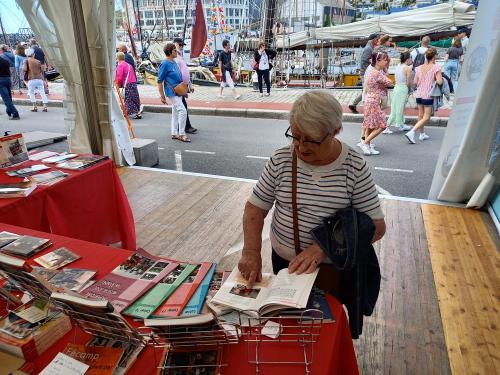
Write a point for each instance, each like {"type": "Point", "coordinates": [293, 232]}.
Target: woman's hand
{"type": "Point", "coordinates": [163, 100]}
{"type": "Point", "coordinates": [250, 266]}
{"type": "Point", "coordinates": [307, 260]}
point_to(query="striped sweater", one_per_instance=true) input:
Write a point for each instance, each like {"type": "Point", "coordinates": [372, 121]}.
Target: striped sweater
{"type": "Point", "coordinates": [321, 191]}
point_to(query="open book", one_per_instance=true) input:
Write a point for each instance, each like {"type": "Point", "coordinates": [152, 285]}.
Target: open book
{"type": "Point", "coordinates": [274, 292]}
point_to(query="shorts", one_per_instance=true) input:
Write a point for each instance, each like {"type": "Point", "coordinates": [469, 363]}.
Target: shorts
{"type": "Point", "coordinates": [229, 81]}
{"type": "Point", "coordinates": [425, 102]}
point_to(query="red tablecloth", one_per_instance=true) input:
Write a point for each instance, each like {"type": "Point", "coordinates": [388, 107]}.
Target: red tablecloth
{"type": "Point", "coordinates": [333, 352]}
{"type": "Point", "coordinates": [90, 205]}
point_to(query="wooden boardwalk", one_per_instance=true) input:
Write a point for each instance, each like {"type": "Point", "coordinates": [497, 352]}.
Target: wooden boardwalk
{"type": "Point", "coordinates": [199, 218]}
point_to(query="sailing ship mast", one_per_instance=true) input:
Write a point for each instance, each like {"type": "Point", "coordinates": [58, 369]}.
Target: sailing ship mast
{"type": "Point", "coordinates": [3, 32]}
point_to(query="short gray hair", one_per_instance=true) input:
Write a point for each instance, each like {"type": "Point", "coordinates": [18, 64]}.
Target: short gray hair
{"type": "Point", "coordinates": [317, 113]}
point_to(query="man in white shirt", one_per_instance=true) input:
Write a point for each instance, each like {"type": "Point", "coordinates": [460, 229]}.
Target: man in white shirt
{"type": "Point", "coordinates": [424, 46]}
{"type": "Point", "coordinates": [179, 46]}
{"type": "Point", "coordinates": [462, 34]}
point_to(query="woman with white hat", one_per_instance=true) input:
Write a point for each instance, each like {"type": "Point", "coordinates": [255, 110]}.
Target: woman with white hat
{"type": "Point", "coordinates": [33, 73]}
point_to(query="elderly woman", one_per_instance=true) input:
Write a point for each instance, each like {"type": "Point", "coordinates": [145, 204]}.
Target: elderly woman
{"type": "Point", "coordinates": [330, 176]}
{"type": "Point", "coordinates": [125, 78]}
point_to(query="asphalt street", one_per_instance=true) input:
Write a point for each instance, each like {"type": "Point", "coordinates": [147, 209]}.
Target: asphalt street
{"type": "Point", "coordinates": [240, 147]}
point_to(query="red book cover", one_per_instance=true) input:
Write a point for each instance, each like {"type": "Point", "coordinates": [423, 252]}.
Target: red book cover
{"type": "Point", "coordinates": [174, 305]}
{"type": "Point", "coordinates": [130, 280]}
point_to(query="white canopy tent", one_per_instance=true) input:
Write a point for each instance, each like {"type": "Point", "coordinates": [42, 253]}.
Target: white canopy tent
{"type": "Point", "coordinates": [415, 22]}
{"type": "Point", "coordinates": [78, 38]}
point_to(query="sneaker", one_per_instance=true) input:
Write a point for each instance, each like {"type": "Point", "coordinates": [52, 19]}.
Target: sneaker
{"type": "Point", "coordinates": [261, 95]}
{"type": "Point", "coordinates": [404, 127]}
{"type": "Point", "coordinates": [372, 150]}
{"type": "Point", "coordinates": [191, 130]}
{"type": "Point", "coordinates": [267, 94]}
{"type": "Point", "coordinates": [411, 136]}
{"type": "Point", "coordinates": [387, 131]}
{"type": "Point", "coordinates": [14, 117]}
{"type": "Point", "coordinates": [423, 136]}
{"type": "Point", "coordinates": [353, 108]}
{"type": "Point", "coordinates": [141, 109]}
{"type": "Point", "coordinates": [366, 149]}
{"type": "Point", "coordinates": [237, 97]}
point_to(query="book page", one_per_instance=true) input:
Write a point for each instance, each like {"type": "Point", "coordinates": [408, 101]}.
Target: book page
{"type": "Point", "coordinates": [291, 289]}
{"type": "Point", "coordinates": [63, 364]}
{"type": "Point", "coordinates": [235, 293]}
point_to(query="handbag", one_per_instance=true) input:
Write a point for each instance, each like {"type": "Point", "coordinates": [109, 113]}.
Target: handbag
{"type": "Point", "coordinates": [328, 278]}
{"type": "Point", "coordinates": [122, 89]}
{"type": "Point", "coordinates": [384, 101]}
{"type": "Point", "coordinates": [181, 89]}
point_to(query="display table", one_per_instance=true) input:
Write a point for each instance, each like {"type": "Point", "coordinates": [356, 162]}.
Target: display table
{"type": "Point", "coordinates": [90, 205]}
{"type": "Point", "coordinates": [333, 352]}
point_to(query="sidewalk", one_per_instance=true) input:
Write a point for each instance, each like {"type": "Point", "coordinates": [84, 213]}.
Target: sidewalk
{"type": "Point", "coordinates": [205, 101]}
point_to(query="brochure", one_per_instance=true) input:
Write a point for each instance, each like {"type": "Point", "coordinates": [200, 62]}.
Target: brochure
{"type": "Point", "coordinates": [57, 258]}
{"type": "Point", "coordinates": [12, 150]}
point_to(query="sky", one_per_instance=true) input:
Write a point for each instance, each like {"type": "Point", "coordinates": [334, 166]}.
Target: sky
{"type": "Point", "coordinates": [12, 16]}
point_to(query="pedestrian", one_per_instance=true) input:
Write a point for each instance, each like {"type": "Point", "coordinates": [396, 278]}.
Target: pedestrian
{"type": "Point", "coordinates": [363, 64]}
{"type": "Point", "coordinates": [226, 69]}
{"type": "Point", "coordinates": [169, 78]}
{"type": "Point", "coordinates": [399, 97]}
{"type": "Point", "coordinates": [418, 55]}
{"type": "Point", "coordinates": [262, 57]}
{"type": "Point", "coordinates": [20, 56]}
{"type": "Point", "coordinates": [387, 45]}
{"type": "Point", "coordinates": [376, 84]}
{"type": "Point", "coordinates": [40, 56]}
{"type": "Point", "coordinates": [33, 71]}
{"type": "Point", "coordinates": [463, 34]}
{"type": "Point", "coordinates": [453, 58]}
{"type": "Point", "coordinates": [6, 87]}
{"type": "Point", "coordinates": [122, 47]}
{"type": "Point", "coordinates": [186, 78]}
{"type": "Point", "coordinates": [125, 78]}
{"type": "Point", "coordinates": [425, 76]}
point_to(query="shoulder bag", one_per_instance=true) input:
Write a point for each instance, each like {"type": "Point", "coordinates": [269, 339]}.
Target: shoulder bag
{"type": "Point", "coordinates": [328, 277]}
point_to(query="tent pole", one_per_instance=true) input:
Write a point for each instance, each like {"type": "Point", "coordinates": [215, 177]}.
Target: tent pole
{"type": "Point", "coordinates": [87, 77]}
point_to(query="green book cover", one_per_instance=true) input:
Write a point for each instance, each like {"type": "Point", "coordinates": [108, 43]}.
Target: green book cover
{"type": "Point", "coordinates": [148, 303]}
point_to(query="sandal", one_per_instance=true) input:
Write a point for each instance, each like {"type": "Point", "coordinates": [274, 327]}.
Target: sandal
{"type": "Point", "coordinates": [34, 109]}
{"type": "Point", "coordinates": [137, 117]}
{"type": "Point", "coordinates": [44, 109]}
{"type": "Point", "coordinates": [175, 137]}
{"type": "Point", "coordinates": [183, 138]}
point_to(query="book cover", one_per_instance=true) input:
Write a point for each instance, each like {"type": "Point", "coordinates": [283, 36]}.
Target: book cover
{"type": "Point", "coordinates": [179, 362]}
{"type": "Point", "coordinates": [148, 303]}
{"type": "Point", "coordinates": [130, 351]}
{"type": "Point", "coordinates": [195, 304]}
{"type": "Point", "coordinates": [26, 246]}
{"type": "Point", "coordinates": [45, 273]}
{"type": "Point", "coordinates": [57, 258]}
{"type": "Point", "coordinates": [12, 150]}
{"type": "Point", "coordinates": [59, 158]}
{"type": "Point", "coordinates": [102, 360]}
{"type": "Point", "coordinates": [130, 280]}
{"type": "Point", "coordinates": [81, 162]}
{"type": "Point", "coordinates": [72, 278]}
{"type": "Point", "coordinates": [174, 304]}
{"type": "Point", "coordinates": [7, 237]}
{"type": "Point", "coordinates": [49, 178]}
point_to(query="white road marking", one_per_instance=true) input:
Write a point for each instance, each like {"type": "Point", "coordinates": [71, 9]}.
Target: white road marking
{"type": "Point", "coordinates": [393, 170]}
{"type": "Point", "coordinates": [178, 161]}
{"type": "Point", "coordinates": [200, 152]}
{"type": "Point", "coordinates": [258, 157]}
{"type": "Point", "coordinates": [382, 191]}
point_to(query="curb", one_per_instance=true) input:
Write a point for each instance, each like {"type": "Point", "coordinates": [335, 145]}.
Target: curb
{"type": "Point", "coordinates": [248, 113]}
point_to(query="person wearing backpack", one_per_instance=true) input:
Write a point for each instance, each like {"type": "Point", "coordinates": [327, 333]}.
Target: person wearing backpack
{"type": "Point", "coordinates": [262, 65]}
{"type": "Point", "coordinates": [418, 55]}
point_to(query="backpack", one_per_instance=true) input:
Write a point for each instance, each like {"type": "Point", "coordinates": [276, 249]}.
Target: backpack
{"type": "Point", "coordinates": [419, 59]}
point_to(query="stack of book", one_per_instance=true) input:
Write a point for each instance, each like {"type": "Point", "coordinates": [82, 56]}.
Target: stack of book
{"type": "Point", "coordinates": [81, 162]}
{"type": "Point", "coordinates": [49, 178]}
{"type": "Point", "coordinates": [28, 171]}
{"type": "Point", "coordinates": [17, 190]}
{"type": "Point", "coordinates": [22, 246]}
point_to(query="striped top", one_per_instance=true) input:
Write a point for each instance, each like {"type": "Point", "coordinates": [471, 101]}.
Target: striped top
{"type": "Point", "coordinates": [425, 79]}
{"type": "Point", "coordinates": [321, 191]}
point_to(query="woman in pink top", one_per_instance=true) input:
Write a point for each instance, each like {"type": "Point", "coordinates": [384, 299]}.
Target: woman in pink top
{"type": "Point", "coordinates": [425, 76]}
{"type": "Point", "coordinates": [376, 84]}
{"type": "Point", "coordinates": [125, 77]}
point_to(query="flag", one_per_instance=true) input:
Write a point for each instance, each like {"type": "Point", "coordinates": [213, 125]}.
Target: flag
{"type": "Point", "coordinates": [199, 31]}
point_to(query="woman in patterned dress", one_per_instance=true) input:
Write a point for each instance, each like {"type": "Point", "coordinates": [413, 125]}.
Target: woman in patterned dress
{"type": "Point", "coordinates": [376, 84]}
{"type": "Point", "coordinates": [125, 77]}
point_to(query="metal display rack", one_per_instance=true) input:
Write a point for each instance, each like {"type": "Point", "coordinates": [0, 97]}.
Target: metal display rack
{"type": "Point", "coordinates": [297, 331]}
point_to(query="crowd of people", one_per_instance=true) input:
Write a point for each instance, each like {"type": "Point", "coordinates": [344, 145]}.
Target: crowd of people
{"type": "Point", "coordinates": [20, 68]}
{"type": "Point", "coordinates": [416, 73]}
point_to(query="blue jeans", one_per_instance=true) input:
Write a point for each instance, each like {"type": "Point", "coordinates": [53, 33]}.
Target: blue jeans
{"type": "Point", "coordinates": [5, 93]}
{"type": "Point", "coordinates": [451, 70]}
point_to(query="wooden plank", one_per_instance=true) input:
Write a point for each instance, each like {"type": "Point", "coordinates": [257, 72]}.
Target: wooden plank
{"type": "Point", "coordinates": [465, 263]}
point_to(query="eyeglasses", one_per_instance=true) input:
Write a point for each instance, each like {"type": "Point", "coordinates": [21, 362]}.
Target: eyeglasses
{"type": "Point", "coordinates": [293, 138]}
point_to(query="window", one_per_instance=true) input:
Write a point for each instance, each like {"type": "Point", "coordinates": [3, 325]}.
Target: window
{"type": "Point", "coordinates": [158, 13]}
{"type": "Point", "coordinates": [230, 11]}
{"type": "Point", "coordinates": [150, 22]}
{"type": "Point", "coordinates": [179, 13]}
{"type": "Point", "coordinates": [141, 14]}
{"type": "Point", "coordinates": [159, 21]}
{"type": "Point", "coordinates": [141, 22]}
{"type": "Point", "coordinates": [179, 21]}
{"type": "Point", "coordinates": [237, 21]}
{"type": "Point", "coordinates": [148, 14]}
{"type": "Point", "coordinates": [170, 13]}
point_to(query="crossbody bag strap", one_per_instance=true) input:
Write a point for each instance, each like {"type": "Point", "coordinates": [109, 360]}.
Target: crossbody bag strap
{"type": "Point", "coordinates": [295, 214]}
